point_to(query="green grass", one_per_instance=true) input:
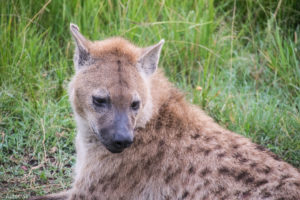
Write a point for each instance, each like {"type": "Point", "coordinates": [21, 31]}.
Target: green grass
{"type": "Point", "coordinates": [243, 54]}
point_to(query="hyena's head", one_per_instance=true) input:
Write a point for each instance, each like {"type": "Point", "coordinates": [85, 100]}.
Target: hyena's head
{"type": "Point", "coordinates": [110, 92]}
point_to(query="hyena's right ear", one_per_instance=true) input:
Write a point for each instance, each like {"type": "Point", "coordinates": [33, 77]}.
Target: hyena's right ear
{"type": "Point", "coordinates": [82, 56]}
{"type": "Point", "coordinates": [147, 63]}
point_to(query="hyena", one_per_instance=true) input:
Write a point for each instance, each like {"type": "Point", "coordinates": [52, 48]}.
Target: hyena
{"type": "Point", "coordinates": [138, 138]}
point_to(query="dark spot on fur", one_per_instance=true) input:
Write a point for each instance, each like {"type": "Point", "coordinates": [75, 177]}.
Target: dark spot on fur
{"type": "Point", "coordinates": [159, 155]}
{"type": "Point", "coordinates": [281, 183]}
{"type": "Point", "coordinates": [151, 161]}
{"type": "Point", "coordinates": [81, 197]}
{"type": "Point", "coordinates": [167, 197]}
{"type": "Point", "coordinates": [192, 170]}
{"type": "Point", "coordinates": [141, 190]}
{"type": "Point", "coordinates": [161, 143]}
{"type": "Point", "coordinates": [132, 170]}
{"type": "Point", "coordinates": [225, 197]}
{"type": "Point", "coordinates": [171, 174]}
{"type": "Point", "coordinates": [243, 160]}
{"type": "Point", "coordinates": [206, 182]}
{"type": "Point", "coordinates": [91, 140]}
{"type": "Point", "coordinates": [246, 194]}
{"type": "Point", "coordinates": [261, 182]}
{"type": "Point", "coordinates": [104, 188]}
{"type": "Point", "coordinates": [242, 175]}
{"type": "Point", "coordinates": [113, 176]}
{"type": "Point", "coordinates": [92, 188]}
{"type": "Point", "coordinates": [176, 153]}
{"type": "Point", "coordinates": [196, 136]}
{"type": "Point", "coordinates": [185, 194]}
{"type": "Point", "coordinates": [207, 139]}
{"type": "Point", "coordinates": [74, 196]}
{"type": "Point", "coordinates": [137, 142]}
{"type": "Point", "coordinates": [224, 171]}
{"type": "Point", "coordinates": [189, 149]}
{"type": "Point", "coordinates": [254, 164]}
{"type": "Point", "coordinates": [275, 157]}
{"type": "Point", "coordinates": [221, 155]}
{"type": "Point", "coordinates": [204, 172]}
{"type": "Point", "coordinates": [134, 184]}
{"type": "Point", "coordinates": [237, 155]}
{"type": "Point", "coordinates": [158, 125]}
{"type": "Point", "coordinates": [206, 152]}
{"type": "Point", "coordinates": [101, 181]}
{"type": "Point", "coordinates": [198, 188]}
{"type": "Point", "coordinates": [148, 164]}
{"type": "Point", "coordinates": [235, 146]}
{"type": "Point", "coordinates": [119, 65]}
{"type": "Point", "coordinates": [266, 194]}
{"type": "Point", "coordinates": [249, 180]}
{"type": "Point", "coordinates": [218, 146]}
{"type": "Point", "coordinates": [220, 189]}
{"type": "Point", "coordinates": [285, 176]}
{"type": "Point", "coordinates": [237, 193]}
{"type": "Point", "coordinates": [179, 135]}
{"type": "Point", "coordinates": [200, 149]}
{"type": "Point", "coordinates": [260, 147]}
{"type": "Point", "coordinates": [115, 185]}
{"type": "Point", "coordinates": [266, 169]}
{"type": "Point", "coordinates": [297, 184]}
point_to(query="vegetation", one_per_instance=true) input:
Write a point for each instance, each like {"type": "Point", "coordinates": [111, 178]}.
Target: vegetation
{"type": "Point", "coordinates": [237, 59]}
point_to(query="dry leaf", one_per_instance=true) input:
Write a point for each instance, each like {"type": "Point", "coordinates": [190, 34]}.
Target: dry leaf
{"type": "Point", "coordinates": [53, 149]}
{"type": "Point", "coordinates": [198, 88]}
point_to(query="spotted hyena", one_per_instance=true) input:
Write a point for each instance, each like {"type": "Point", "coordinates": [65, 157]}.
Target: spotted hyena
{"type": "Point", "coordinates": [138, 138]}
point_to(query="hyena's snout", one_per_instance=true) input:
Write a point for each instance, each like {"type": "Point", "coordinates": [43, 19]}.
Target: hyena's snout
{"type": "Point", "coordinates": [118, 140]}
{"type": "Point", "coordinates": [122, 139]}
{"type": "Point", "coordinates": [119, 135]}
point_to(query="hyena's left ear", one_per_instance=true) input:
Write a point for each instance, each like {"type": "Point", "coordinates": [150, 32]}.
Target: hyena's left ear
{"type": "Point", "coordinates": [82, 56]}
{"type": "Point", "coordinates": [148, 61]}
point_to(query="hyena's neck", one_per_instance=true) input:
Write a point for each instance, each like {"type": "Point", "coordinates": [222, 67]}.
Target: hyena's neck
{"type": "Point", "coordinates": [161, 92]}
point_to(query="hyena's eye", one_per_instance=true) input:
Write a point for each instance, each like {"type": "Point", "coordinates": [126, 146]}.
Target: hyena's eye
{"type": "Point", "coordinates": [100, 101]}
{"type": "Point", "coordinates": [135, 105]}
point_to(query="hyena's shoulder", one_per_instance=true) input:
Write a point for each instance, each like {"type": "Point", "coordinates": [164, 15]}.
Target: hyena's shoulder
{"type": "Point", "coordinates": [194, 155]}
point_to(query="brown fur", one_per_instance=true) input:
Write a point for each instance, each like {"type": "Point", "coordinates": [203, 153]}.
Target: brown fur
{"type": "Point", "coordinates": [179, 153]}
{"type": "Point", "coordinates": [117, 46]}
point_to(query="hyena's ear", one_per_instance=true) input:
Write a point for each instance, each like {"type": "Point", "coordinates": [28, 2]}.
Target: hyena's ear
{"type": "Point", "coordinates": [148, 61]}
{"type": "Point", "coordinates": [82, 56]}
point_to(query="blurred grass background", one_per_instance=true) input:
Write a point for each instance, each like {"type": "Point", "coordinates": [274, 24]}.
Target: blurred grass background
{"type": "Point", "coordinates": [237, 59]}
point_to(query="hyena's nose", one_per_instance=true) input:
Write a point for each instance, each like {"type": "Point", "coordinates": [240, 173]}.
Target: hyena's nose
{"type": "Point", "coordinates": [122, 141]}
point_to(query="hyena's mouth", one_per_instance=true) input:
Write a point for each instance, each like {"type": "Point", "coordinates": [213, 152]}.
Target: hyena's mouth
{"type": "Point", "coordinates": [113, 150]}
